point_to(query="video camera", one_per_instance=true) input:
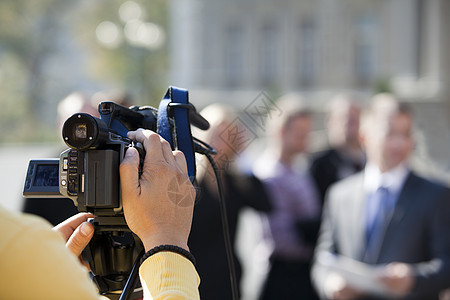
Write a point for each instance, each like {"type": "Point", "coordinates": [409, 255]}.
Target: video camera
{"type": "Point", "coordinates": [88, 173]}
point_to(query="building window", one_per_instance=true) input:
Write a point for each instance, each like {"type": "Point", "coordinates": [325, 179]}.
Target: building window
{"type": "Point", "coordinates": [365, 51]}
{"type": "Point", "coordinates": [268, 66]}
{"type": "Point", "coordinates": [307, 59]}
{"type": "Point", "coordinates": [234, 56]}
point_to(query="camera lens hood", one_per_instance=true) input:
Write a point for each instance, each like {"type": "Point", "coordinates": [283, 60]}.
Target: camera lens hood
{"type": "Point", "coordinates": [82, 131]}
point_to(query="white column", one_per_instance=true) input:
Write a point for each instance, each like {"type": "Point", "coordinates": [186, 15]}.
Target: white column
{"type": "Point", "coordinates": [403, 34]}
{"type": "Point", "coordinates": [185, 41]}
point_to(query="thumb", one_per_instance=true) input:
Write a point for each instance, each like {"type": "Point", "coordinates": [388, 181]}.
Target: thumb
{"type": "Point", "coordinates": [129, 172]}
{"type": "Point", "coordinates": [80, 238]}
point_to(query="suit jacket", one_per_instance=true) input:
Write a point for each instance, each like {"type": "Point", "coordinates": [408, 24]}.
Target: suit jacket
{"type": "Point", "coordinates": [329, 167]}
{"type": "Point", "coordinates": [417, 232]}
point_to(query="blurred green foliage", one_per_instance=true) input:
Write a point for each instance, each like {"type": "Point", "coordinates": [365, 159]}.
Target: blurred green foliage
{"type": "Point", "coordinates": [49, 49]}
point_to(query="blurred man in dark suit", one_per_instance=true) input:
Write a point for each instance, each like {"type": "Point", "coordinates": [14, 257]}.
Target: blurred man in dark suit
{"type": "Point", "coordinates": [345, 156]}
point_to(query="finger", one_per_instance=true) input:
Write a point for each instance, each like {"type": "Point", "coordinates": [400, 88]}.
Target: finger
{"type": "Point", "coordinates": [180, 161]}
{"type": "Point", "coordinates": [131, 135]}
{"type": "Point", "coordinates": [167, 152]}
{"type": "Point", "coordinates": [68, 226]}
{"type": "Point", "coordinates": [129, 172]}
{"type": "Point", "coordinates": [80, 238]}
{"type": "Point", "coordinates": [152, 144]}
{"type": "Point", "coordinates": [141, 135]}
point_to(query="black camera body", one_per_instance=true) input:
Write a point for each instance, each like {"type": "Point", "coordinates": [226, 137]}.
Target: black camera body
{"type": "Point", "coordinates": [88, 173]}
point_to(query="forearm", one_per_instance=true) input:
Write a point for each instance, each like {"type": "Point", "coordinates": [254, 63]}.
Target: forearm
{"type": "Point", "coordinates": [318, 275]}
{"type": "Point", "coordinates": [167, 275]}
{"type": "Point", "coordinates": [38, 266]}
{"type": "Point", "coordinates": [325, 248]}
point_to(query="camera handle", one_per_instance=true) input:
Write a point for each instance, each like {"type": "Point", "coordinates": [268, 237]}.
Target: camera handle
{"type": "Point", "coordinates": [111, 251]}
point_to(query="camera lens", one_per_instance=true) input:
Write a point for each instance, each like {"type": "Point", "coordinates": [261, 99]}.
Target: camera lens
{"type": "Point", "coordinates": [83, 131]}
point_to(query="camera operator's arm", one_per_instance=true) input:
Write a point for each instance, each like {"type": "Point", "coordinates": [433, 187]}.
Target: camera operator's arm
{"type": "Point", "coordinates": [158, 207]}
{"type": "Point", "coordinates": [36, 265]}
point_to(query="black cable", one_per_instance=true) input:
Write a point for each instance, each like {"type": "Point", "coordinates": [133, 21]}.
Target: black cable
{"type": "Point", "coordinates": [132, 279]}
{"type": "Point", "coordinates": [202, 147]}
{"type": "Point", "coordinates": [225, 228]}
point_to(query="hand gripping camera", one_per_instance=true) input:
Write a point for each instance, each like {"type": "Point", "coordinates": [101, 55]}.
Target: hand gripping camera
{"type": "Point", "coordinates": [88, 173]}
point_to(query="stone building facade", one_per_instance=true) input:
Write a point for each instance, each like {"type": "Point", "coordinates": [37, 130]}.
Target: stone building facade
{"type": "Point", "coordinates": [230, 51]}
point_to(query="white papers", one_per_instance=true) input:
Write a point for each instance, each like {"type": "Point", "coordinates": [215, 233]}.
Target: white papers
{"type": "Point", "coordinates": [358, 275]}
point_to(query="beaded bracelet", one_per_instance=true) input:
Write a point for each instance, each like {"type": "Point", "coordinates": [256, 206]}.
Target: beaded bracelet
{"type": "Point", "coordinates": [171, 248]}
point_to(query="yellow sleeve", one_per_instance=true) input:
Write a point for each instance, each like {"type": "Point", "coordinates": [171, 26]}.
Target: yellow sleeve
{"type": "Point", "coordinates": [167, 275]}
{"type": "Point", "coordinates": [35, 263]}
